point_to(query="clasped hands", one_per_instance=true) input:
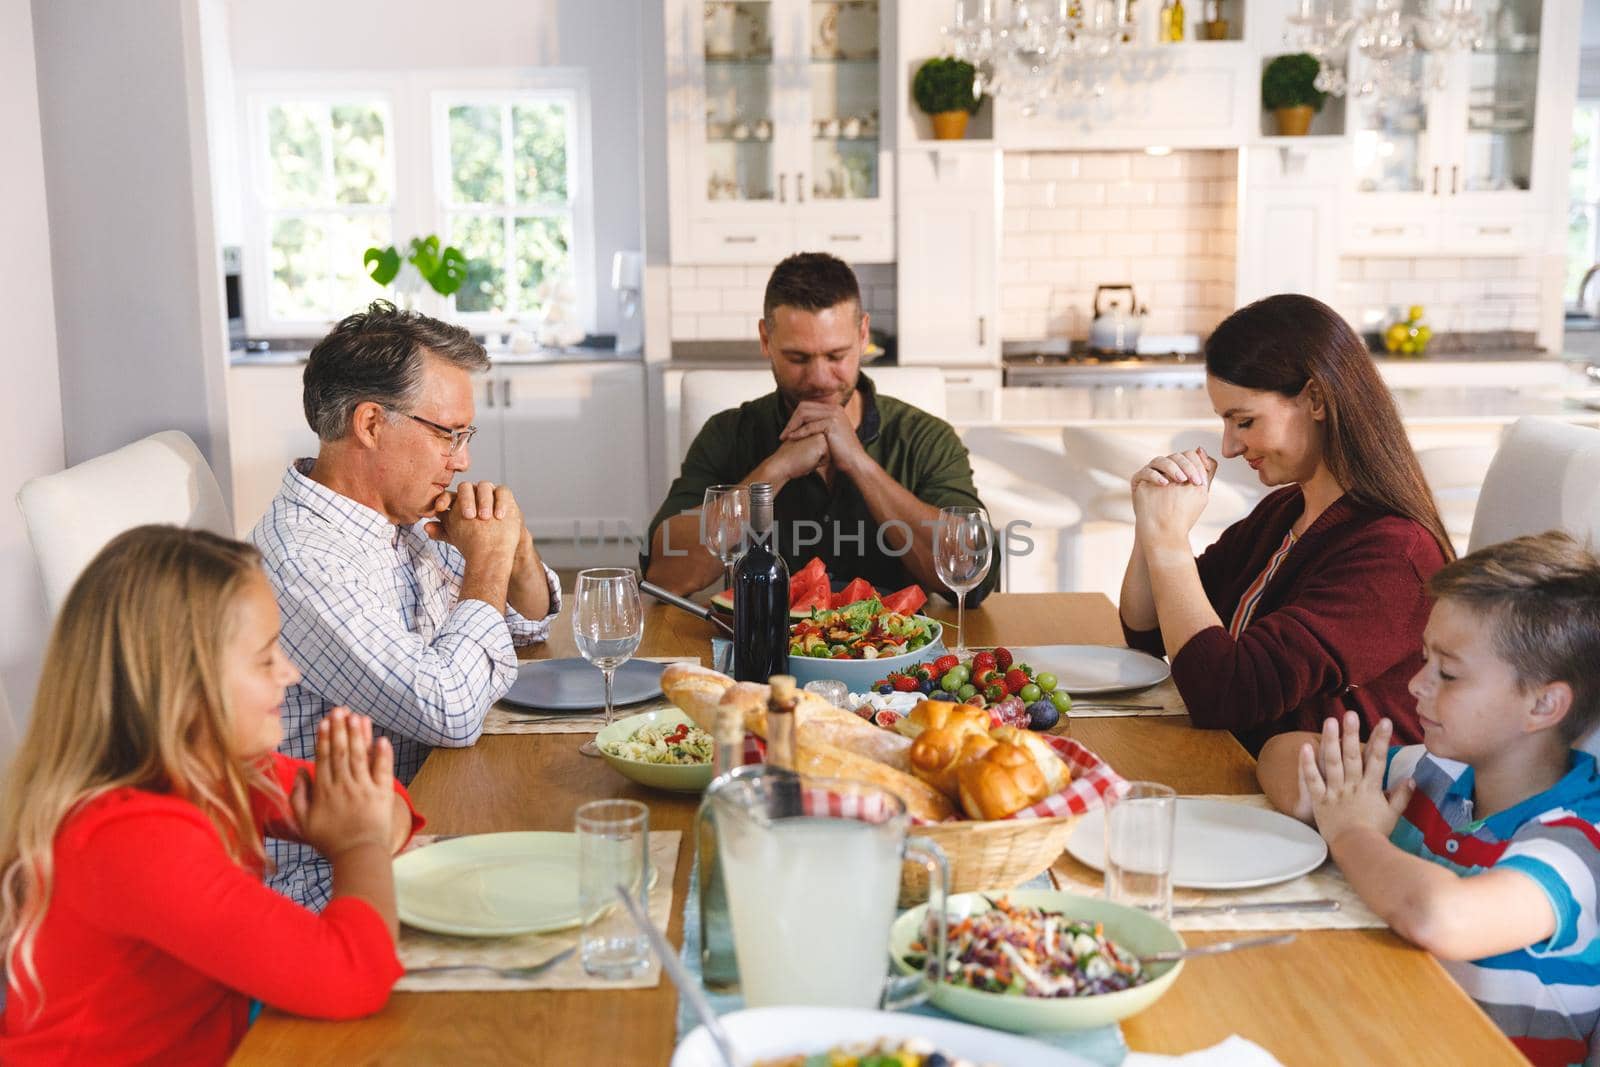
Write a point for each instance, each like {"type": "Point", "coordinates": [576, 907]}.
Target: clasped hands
{"type": "Point", "coordinates": [1169, 495]}
{"type": "Point", "coordinates": [481, 517]}
{"type": "Point", "coordinates": [819, 437]}
{"type": "Point", "coordinates": [1341, 781]}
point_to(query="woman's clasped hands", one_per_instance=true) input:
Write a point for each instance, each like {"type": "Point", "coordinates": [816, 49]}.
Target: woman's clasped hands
{"type": "Point", "coordinates": [1170, 493]}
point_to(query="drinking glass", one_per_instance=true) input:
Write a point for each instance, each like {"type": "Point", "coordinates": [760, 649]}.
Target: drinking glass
{"type": "Point", "coordinates": [963, 549]}
{"type": "Point", "coordinates": [613, 850]}
{"type": "Point", "coordinates": [724, 519]}
{"type": "Point", "coordinates": [607, 623]}
{"type": "Point", "coordinates": [1141, 828]}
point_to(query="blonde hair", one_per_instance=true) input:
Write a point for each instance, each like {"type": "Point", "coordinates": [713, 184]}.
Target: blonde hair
{"type": "Point", "coordinates": [131, 697]}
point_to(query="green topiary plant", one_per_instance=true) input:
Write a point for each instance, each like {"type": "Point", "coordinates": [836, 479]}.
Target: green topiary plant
{"type": "Point", "coordinates": [443, 269]}
{"type": "Point", "coordinates": [946, 84]}
{"type": "Point", "coordinates": [1290, 81]}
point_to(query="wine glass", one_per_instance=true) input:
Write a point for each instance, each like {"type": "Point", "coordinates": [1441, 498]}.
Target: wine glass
{"type": "Point", "coordinates": [607, 623]}
{"type": "Point", "coordinates": [963, 549]}
{"type": "Point", "coordinates": [724, 519]}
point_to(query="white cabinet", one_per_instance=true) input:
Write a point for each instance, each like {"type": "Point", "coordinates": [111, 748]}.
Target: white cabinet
{"type": "Point", "coordinates": [1288, 225]}
{"type": "Point", "coordinates": [947, 266]}
{"type": "Point", "coordinates": [267, 431]}
{"type": "Point", "coordinates": [776, 129]}
{"type": "Point", "coordinates": [569, 439]}
{"type": "Point", "coordinates": [1476, 165]}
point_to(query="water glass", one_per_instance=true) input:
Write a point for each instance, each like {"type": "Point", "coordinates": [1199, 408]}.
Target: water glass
{"type": "Point", "coordinates": [607, 624]}
{"type": "Point", "coordinates": [833, 691]}
{"type": "Point", "coordinates": [963, 550]}
{"type": "Point", "coordinates": [1141, 831]}
{"type": "Point", "coordinates": [724, 521]}
{"type": "Point", "coordinates": [613, 850]}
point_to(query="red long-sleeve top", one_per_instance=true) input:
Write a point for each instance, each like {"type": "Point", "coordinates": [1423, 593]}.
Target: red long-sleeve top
{"type": "Point", "coordinates": [1339, 625]}
{"type": "Point", "coordinates": [155, 941]}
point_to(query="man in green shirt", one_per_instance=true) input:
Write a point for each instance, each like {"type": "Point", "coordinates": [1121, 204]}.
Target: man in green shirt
{"type": "Point", "coordinates": [859, 477]}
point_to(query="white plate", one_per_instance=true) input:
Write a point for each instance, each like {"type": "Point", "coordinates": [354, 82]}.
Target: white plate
{"type": "Point", "coordinates": [1085, 670]}
{"type": "Point", "coordinates": [769, 1032]}
{"type": "Point", "coordinates": [1221, 845]}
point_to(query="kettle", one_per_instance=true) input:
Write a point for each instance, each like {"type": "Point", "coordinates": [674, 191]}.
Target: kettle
{"type": "Point", "coordinates": [1114, 329]}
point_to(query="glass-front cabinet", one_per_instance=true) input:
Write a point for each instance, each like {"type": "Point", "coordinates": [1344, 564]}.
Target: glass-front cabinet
{"type": "Point", "coordinates": [777, 135]}
{"type": "Point", "coordinates": [1452, 166]}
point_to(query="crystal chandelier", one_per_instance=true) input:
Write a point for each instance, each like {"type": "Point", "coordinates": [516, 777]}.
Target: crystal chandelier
{"type": "Point", "coordinates": [1039, 50]}
{"type": "Point", "coordinates": [1394, 43]}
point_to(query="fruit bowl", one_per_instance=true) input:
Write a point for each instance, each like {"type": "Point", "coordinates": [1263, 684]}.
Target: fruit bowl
{"type": "Point", "coordinates": [859, 674]}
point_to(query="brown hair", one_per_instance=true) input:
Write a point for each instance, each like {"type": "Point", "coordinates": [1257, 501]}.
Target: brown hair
{"type": "Point", "coordinates": [131, 695]}
{"type": "Point", "coordinates": [811, 281]}
{"type": "Point", "coordinates": [1542, 596]}
{"type": "Point", "coordinates": [377, 355]}
{"type": "Point", "coordinates": [1284, 343]}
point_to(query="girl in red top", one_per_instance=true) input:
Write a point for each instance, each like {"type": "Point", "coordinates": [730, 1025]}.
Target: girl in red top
{"type": "Point", "coordinates": [137, 927]}
{"type": "Point", "coordinates": [1315, 601]}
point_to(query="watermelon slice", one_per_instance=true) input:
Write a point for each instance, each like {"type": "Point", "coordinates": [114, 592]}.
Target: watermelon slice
{"type": "Point", "coordinates": [802, 601]}
{"type": "Point", "coordinates": [907, 601]}
{"type": "Point", "coordinates": [858, 589]}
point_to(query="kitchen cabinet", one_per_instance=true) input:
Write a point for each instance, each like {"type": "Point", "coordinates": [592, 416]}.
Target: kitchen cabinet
{"type": "Point", "coordinates": [948, 262]}
{"type": "Point", "coordinates": [1288, 224]}
{"type": "Point", "coordinates": [569, 439]}
{"type": "Point", "coordinates": [1469, 166]}
{"type": "Point", "coordinates": [776, 133]}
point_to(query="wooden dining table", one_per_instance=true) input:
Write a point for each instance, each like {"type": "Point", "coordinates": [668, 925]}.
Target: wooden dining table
{"type": "Point", "coordinates": [1331, 996]}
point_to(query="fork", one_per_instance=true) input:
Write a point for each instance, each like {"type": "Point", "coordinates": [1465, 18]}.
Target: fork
{"type": "Point", "coordinates": [501, 972]}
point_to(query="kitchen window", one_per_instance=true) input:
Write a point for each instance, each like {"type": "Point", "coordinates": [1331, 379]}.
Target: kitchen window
{"type": "Point", "coordinates": [493, 162]}
{"type": "Point", "coordinates": [1583, 207]}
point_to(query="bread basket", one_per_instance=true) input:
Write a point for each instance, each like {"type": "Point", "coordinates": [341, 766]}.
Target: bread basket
{"type": "Point", "coordinates": [996, 854]}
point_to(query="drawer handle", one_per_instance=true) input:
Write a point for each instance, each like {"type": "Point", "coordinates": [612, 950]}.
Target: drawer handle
{"type": "Point", "coordinates": [844, 237]}
{"type": "Point", "coordinates": [739, 239]}
{"type": "Point", "coordinates": [1494, 231]}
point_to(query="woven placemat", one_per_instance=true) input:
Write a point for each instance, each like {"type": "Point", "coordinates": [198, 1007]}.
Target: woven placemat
{"type": "Point", "coordinates": [506, 718]}
{"type": "Point", "coordinates": [1162, 699]}
{"type": "Point", "coordinates": [419, 948]}
{"type": "Point", "coordinates": [1324, 882]}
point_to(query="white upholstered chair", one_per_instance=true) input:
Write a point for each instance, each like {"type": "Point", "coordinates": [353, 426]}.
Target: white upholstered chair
{"type": "Point", "coordinates": [1544, 476]}
{"type": "Point", "coordinates": [72, 514]}
{"type": "Point", "coordinates": [706, 392]}
{"type": "Point", "coordinates": [1455, 475]}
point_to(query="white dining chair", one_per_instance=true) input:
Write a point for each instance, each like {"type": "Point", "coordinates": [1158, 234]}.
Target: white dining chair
{"type": "Point", "coordinates": [72, 514]}
{"type": "Point", "coordinates": [1023, 479]}
{"type": "Point", "coordinates": [706, 392]}
{"type": "Point", "coordinates": [1455, 476]}
{"type": "Point", "coordinates": [1544, 476]}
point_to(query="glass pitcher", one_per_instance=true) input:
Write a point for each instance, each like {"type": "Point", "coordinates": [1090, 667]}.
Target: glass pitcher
{"type": "Point", "coordinates": [812, 888]}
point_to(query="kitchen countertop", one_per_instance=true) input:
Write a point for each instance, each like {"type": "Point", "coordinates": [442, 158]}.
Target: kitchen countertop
{"type": "Point", "coordinates": [498, 357]}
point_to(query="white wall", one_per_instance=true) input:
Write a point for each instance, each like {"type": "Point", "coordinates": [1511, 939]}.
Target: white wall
{"type": "Point", "coordinates": [601, 36]}
{"type": "Point", "coordinates": [30, 404]}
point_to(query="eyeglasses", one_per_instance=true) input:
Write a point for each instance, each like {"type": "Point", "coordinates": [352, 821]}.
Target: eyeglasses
{"type": "Point", "coordinates": [458, 438]}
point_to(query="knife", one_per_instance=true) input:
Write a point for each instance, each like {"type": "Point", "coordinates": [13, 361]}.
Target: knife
{"type": "Point", "coordinates": [687, 605]}
{"type": "Point", "coordinates": [1276, 905]}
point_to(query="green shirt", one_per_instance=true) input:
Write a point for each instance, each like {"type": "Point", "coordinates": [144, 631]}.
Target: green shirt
{"type": "Point", "coordinates": [920, 452]}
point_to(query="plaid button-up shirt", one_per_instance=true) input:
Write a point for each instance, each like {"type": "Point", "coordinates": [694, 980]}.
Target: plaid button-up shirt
{"type": "Point", "coordinates": [372, 617]}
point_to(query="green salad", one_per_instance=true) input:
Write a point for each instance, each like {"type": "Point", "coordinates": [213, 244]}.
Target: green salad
{"type": "Point", "coordinates": [863, 630]}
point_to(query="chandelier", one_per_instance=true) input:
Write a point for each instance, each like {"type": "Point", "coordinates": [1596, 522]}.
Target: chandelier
{"type": "Point", "coordinates": [1395, 44]}
{"type": "Point", "coordinates": [1039, 50]}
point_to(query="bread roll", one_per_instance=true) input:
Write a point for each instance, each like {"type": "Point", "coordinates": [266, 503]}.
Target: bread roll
{"type": "Point", "coordinates": [938, 753]}
{"type": "Point", "coordinates": [1001, 782]}
{"type": "Point", "coordinates": [931, 714]}
{"type": "Point", "coordinates": [1057, 774]}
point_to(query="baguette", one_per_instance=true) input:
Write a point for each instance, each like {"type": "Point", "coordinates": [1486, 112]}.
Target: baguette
{"type": "Point", "coordinates": [696, 690]}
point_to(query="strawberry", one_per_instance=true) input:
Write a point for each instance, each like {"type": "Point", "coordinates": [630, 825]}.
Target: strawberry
{"type": "Point", "coordinates": [1002, 658]}
{"type": "Point", "coordinates": [903, 683]}
{"type": "Point", "coordinates": [1015, 680]}
{"type": "Point", "coordinates": [944, 665]}
{"type": "Point", "coordinates": [983, 661]}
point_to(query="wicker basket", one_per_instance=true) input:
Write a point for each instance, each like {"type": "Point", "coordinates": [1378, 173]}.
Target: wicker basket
{"type": "Point", "coordinates": [994, 854]}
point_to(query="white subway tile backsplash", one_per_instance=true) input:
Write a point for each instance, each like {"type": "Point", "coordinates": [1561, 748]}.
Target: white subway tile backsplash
{"type": "Point", "coordinates": [1078, 192]}
{"type": "Point", "coordinates": [1053, 166]}
{"type": "Point", "coordinates": [1054, 219]}
{"type": "Point", "coordinates": [1018, 166]}
{"type": "Point", "coordinates": [1172, 166]}
{"type": "Point", "coordinates": [1141, 194]}
{"type": "Point", "coordinates": [742, 301]}
{"type": "Point", "coordinates": [685, 327]}
{"type": "Point", "coordinates": [1106, 220]}
{"type": "Point", "coordinates": [1385, 269]}
{"type": "Point", "coordinates": [1025, 297]}
{"type": "Point", "coordinates": [1028, 245]}
{"type": "Point", "coordinates": [727, 327]}
{"type": "Point", "coordinates": [1105, 164]}
{"type": "Point", "coordinates": [1497, 293]}
{"type": "Point", "coordinates": [1133, 243]}
{"type": "Point", "coordinates": [1080, 244]}
{"type": "Point", "coordinates": [719, 277]}
{"type": "Point", "coordinates": [693, 299]}
{"type": "Point", "coordinates": [1016, 219]}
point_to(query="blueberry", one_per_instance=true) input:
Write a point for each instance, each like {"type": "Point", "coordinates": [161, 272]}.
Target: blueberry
{"type": "Point", "coordinates": [940, 694]}
{"type": "Point", "coordinates": [925, 685]}
{"type": "Point", "coordinates": [1042, 715]}
{"type": "Point", "coordinates": [886, 689]}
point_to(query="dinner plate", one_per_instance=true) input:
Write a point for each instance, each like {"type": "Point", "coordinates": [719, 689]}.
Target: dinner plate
{"type": "Point", "coordinates": [759, 1033]}
{"type": "Point", "coordinates": [1220, 845]}
{"type": "Point", "coordinates": [1085, 670]}
{"type": "Point", "coordinates": [575, 684]}
{"type": "Point", "coordinates": [491, 885]}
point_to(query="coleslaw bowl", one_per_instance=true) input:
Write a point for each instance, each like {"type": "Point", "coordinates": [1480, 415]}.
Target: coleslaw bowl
{"type": "Point", "coordinates": [673, 777]}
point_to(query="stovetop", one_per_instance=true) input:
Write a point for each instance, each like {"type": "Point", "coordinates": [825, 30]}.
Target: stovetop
{"type": "Point", "coordinates": [1063, 353]}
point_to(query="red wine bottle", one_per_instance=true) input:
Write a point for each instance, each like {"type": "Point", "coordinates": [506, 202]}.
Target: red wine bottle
{"type": "Point", "coordinates": [760, 599]}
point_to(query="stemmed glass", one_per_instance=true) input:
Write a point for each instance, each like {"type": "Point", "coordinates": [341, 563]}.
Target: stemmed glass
{"type": "Point", "coordinates": [724, 518]}
{"type": "Point", "coordinates": [607, 623]}
{"type": "Point", "coordinates": [963, 548]}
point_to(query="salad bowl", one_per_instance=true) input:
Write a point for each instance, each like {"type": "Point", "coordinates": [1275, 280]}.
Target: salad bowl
{"type": "Point", "coordinates": [859, 674]}
{"type": "Point", "coordinates": [1129, 928]}
{"type": "Point", "coordinates": [673, 777]}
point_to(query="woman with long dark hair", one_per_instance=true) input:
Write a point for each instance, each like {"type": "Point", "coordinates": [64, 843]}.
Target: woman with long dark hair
{"type": "Point", "coordinates": [1315, 601]}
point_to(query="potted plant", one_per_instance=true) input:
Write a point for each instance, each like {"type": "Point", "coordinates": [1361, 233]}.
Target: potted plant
{"type": "Point", "coordinates": [1289, 89]}
{"type": "Point", "coordinates": [444, 269]}
{"type": "Point", "coordinates": [944, 90]}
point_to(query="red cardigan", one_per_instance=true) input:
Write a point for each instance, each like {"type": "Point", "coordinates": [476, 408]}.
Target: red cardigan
{"type": "Point", "coordinates": [155, 942]}
{"type": "Point", "coordinates": [1340, 624]}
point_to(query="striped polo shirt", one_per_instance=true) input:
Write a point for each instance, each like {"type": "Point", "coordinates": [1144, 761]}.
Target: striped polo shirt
{"type": "Point", "coordinates": [1545, 997]}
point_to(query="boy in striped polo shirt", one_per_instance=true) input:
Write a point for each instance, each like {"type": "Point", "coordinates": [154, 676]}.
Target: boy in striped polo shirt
{"type": "Point", "coordinates": [1481, 844]}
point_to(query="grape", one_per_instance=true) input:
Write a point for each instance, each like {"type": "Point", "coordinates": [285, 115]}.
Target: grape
{"type": "Point", "coordinates": [967, 691]}
{"type": "Point", "coordinates": [1061, 700]}
{"type": "Point", "coordinates": [1045, 681]}
{"type": "Point", "coordinates": [951, 681]}
{"type": "Point", "coordinates": [1030, 692]}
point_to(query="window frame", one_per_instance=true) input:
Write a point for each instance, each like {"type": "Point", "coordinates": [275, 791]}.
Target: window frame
{"type": "Point", "coordinates": [419, 172]}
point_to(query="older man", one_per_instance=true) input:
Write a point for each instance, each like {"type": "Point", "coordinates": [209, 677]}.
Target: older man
{"type": "Point", "coordinates": [401, 599]}
{"type": "Point", "coordinates": [859, 477]}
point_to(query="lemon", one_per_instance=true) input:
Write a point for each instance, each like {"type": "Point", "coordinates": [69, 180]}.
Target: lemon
{"type": "Point", "coordinates": [1408, 348]}
{"type": "Point", "coordinates": [1395, 335]}
{"type": "Point", "coordinates": [1424, 335]}
{"type": "Point", "coordinates": [1415, 313]}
